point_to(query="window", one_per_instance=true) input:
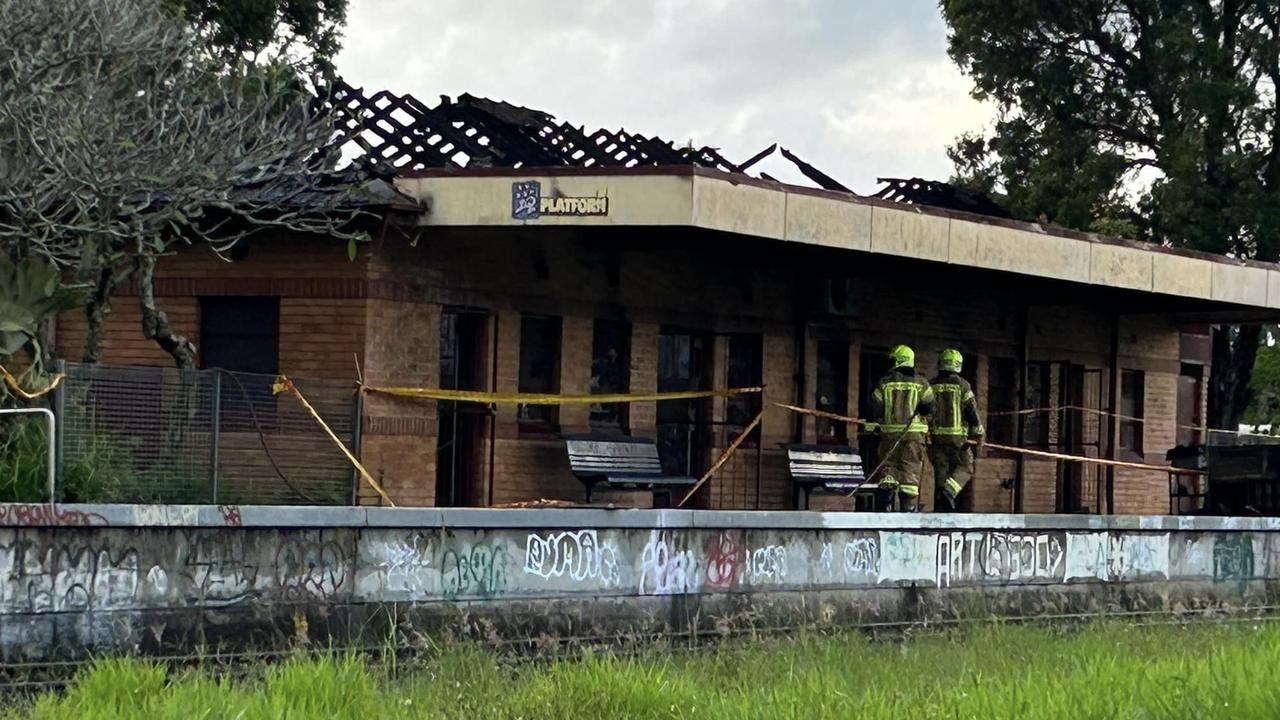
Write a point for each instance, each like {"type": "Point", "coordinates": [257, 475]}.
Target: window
{"type": "Point", "coordinates": [683, 363]}
{"type": "Point", "coordinates": [242, 334]}
{"type": "Point", "coordinates": [1035, 428]}
{"type": "Point", "coordinates": [539, 370]}
{"type": "Point", "coordinates": [1132, 405]}
{"type": "Point", "coordinates": [743, 369]}
{"type": "Point", "coordinates": [1190, 390]}
{"type": "Point", "coordinates": [1002, 400]}
{"type": "Point", "coordinates": [873, 364]}
{"type": "Point", "coordinates": [610, 373]}
{"type": "Point", "coordinates": [831, 393]}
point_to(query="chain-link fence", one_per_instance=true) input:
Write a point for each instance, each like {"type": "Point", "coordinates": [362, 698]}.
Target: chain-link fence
{"type": "Point", "coordinates": [163, 435]}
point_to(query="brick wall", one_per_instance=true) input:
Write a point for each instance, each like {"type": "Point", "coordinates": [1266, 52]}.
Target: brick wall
{"type": "Point", "coordinates": [321, 308]}
{"type": "Point", "coordinates": [384, 310]}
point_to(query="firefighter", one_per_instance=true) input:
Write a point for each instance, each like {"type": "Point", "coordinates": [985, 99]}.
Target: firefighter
{"type": "Point", "coordinates": [901, 405]}
{"type": "Point", "coordinates": [953, 428]}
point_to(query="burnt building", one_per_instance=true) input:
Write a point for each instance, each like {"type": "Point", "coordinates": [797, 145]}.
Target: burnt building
{"type": "Point", "coordinates": [545, 259]}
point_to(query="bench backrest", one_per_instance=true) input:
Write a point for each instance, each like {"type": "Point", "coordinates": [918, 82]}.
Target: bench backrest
{"type": "Point", "coordinates": [632, 456]}
{"type": "Point", "coordinates": [818, 462]}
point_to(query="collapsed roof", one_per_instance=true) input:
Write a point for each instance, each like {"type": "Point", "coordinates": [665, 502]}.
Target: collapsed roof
{"type": "Point", "coordinates": [400, 132]}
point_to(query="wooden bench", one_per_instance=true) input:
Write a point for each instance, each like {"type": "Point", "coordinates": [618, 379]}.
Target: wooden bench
{"type": "Point", "coordinates": [620, 462]}
{"type": "Point", "coordinates": [833, 468]}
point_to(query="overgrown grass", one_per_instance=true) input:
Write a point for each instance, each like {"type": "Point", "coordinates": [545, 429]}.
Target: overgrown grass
{"type": "Point", "coordinates": [1106, 670]}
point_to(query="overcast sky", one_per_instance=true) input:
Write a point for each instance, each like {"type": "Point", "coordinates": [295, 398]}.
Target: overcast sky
{"type": "Point", "coordinates": [859, 88]}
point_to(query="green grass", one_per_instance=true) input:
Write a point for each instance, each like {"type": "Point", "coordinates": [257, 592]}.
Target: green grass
{"type": "Point", "coordinates": [1104, 670]}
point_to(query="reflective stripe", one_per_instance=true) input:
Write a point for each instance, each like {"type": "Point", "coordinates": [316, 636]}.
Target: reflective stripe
{"type": "Point", "coordinates": [946, 418]}
{"type": "Point", "coordinates": [888, 483]}
{"type": "Point", "coordinates": [912, 490]}
{"type": "Point", "coordinates": [953, 486]}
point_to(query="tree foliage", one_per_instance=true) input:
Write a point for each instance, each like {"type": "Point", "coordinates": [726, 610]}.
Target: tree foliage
{"type": "Point", "coordinates": [306, 30]}
{"type": "Point", "coordinates": [1155, 119]}
{"type": "Point", "coordinates": [1264, 405]}
{"type": "Point", "coordinates": [121, 136]}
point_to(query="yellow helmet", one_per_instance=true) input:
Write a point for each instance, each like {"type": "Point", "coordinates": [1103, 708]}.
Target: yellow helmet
{"type": "Point", "coordinates": [902, 356]}
{"type": "Point", "coordinates": [950, 360]}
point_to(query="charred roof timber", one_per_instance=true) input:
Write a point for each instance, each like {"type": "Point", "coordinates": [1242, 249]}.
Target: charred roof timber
{"type": "Point", "coordinates": [915, 191]}
{"type": "Point", "coordinates": [400, 133]}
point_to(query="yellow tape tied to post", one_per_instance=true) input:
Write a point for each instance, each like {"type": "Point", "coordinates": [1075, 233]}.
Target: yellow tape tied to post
{"type": "Point", "coordinates": [283, 384]}
{"type": "Point", "coordinates": [480, 396]}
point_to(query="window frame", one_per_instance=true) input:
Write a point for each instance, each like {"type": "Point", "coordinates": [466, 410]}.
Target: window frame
{"type": "Point", "coordinates": [840, 430]}
{"type": "Point", "coordinates": [1133, 400]}
{"type": "Point", "coordinates": [539, 419]}
{"type": "Point", "coordinates": [619, 332]}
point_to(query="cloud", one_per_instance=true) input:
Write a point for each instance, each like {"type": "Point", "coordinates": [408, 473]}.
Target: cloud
{"type": "Point", "coordinates": [859, 89]}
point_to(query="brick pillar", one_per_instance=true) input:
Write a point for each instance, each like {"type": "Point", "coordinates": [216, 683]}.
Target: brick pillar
{"type": "Point", "coordinates": [575, 372]}
{"type": "Point", "coordinates": [508, 354]}
{"type": "Point", "coordinates": [402, 348]}
{"type": "Point", "coordinates": [644, 378]}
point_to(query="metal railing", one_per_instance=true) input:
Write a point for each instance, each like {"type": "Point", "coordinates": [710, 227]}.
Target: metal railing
{"type": "Point", "coordinates": [163, 435]}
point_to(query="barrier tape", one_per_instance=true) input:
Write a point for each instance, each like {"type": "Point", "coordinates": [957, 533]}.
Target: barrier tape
{"type": "Point", "coordinates": [828, 415]}
{"type": "Point", "coordinates": [1082, 408]}
{"type": "Point", "coordinates": [1082, 458]}
{"type": "Point", "coordinates": [480, 396]}
{"type": "Point", "coordinates": [724, 457]}
{"type": "Point", "coordinates": [284, 384]}
{"type": "Point", "coordinates": [12, 382]}
{"type": "Point", "coordinates": [1106, 413]}
{"type": "Point", "coordinates": [997, 446]}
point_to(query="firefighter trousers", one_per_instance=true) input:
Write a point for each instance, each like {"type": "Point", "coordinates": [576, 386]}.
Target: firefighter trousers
{"type": "Point", "coordinates": [952, 460]}
{"type": "Point", "coordinates": [901, 464]}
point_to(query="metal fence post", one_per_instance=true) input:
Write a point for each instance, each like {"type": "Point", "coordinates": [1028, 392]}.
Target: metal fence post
{"type": "Point", "coordinates": [215, 424]}
{"type": "Point", "coordinates": [60, 414]}
{"type": "Point", "coordinates": [357, 416]}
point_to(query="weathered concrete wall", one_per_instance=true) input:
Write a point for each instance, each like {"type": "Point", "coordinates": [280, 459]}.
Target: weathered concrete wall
{"type": "Point", "coordinates": [78, 578]}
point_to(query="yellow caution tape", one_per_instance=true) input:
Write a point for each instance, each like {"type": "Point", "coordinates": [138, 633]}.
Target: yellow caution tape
{"type": "Point", "coordinates": [724, 457]}
{"type": "Point", "coordinates": [829, 416]}
{"type": "Point", "coordinates": [997, 446]}
{"type": "Point", "coordinates": [12, 382]}
{"type": "Point", "coordinates": [283, 384]}
{"type": "Point", "coordinates": [480, 396]}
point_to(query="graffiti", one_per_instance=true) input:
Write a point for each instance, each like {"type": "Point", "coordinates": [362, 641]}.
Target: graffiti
{"type": "Point", "coordinates": [998, 558]}
{"type": "Point", "coordinates": [664, 570]}
{"type": "Point", "coordinates": [68, 578]}
{"type": "Point", "coordinates": [1115, 557]}
{"type": "Point", "coordinates": [217, 572]}
{"type": "Point", "coordinates": [725, 556]}
{"type": "Point", "coordinates": [1233, 559]}
{"type": "Point", "coordinates": [45, 515]}
{"type": "Point", "coordinates": [862, 558]}
{"type": "Point", "coordinates": [230, 515]}
{"type": "Point", "coordinates": [481, 572]}
{"type": "Point", "coordinates": [824, 560]}
{"type": "Point", "coordinates": [310, 569]}
{"type": "Point", "coordinates": [908, 557]}
{"type": "Point", "coordinates": [769, 562]}
{"type": "Point", "coordinates": [405, 565]}
{"type": "Point", "coordinates": [577, 555]}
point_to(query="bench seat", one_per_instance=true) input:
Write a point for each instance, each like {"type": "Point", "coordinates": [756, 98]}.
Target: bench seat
{"type": "Point", "coordinates": [830, 468]}
{"type": "Point", "coordinates": [620, 461]}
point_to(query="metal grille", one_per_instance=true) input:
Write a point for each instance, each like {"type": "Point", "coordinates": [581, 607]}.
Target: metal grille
{"type": "Point", "coordinates": [163, 435]}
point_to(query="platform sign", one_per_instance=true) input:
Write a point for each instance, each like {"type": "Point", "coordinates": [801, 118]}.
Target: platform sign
{"type": "Point", "coordinates": [528, 203]}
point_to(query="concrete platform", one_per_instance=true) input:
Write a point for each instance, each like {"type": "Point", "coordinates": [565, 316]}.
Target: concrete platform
{"type": "Point", "coordinates": [78, 578]}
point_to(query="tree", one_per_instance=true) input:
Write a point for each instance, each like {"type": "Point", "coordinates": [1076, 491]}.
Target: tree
{"type": "Point", "coordinates": [1152, 118]}
{"type": "Point", "coordinates": [1264, 405]}
{"type": "Point", "coordinates": [121, 136]}
{"type": "Point", "coordinates": [306, 30]}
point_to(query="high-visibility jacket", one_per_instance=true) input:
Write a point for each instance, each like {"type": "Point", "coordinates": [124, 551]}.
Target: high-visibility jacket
{"type": "Point", "coordinates": [902, 402]}
{"type": "Point", "coordinates": [955, 410]}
